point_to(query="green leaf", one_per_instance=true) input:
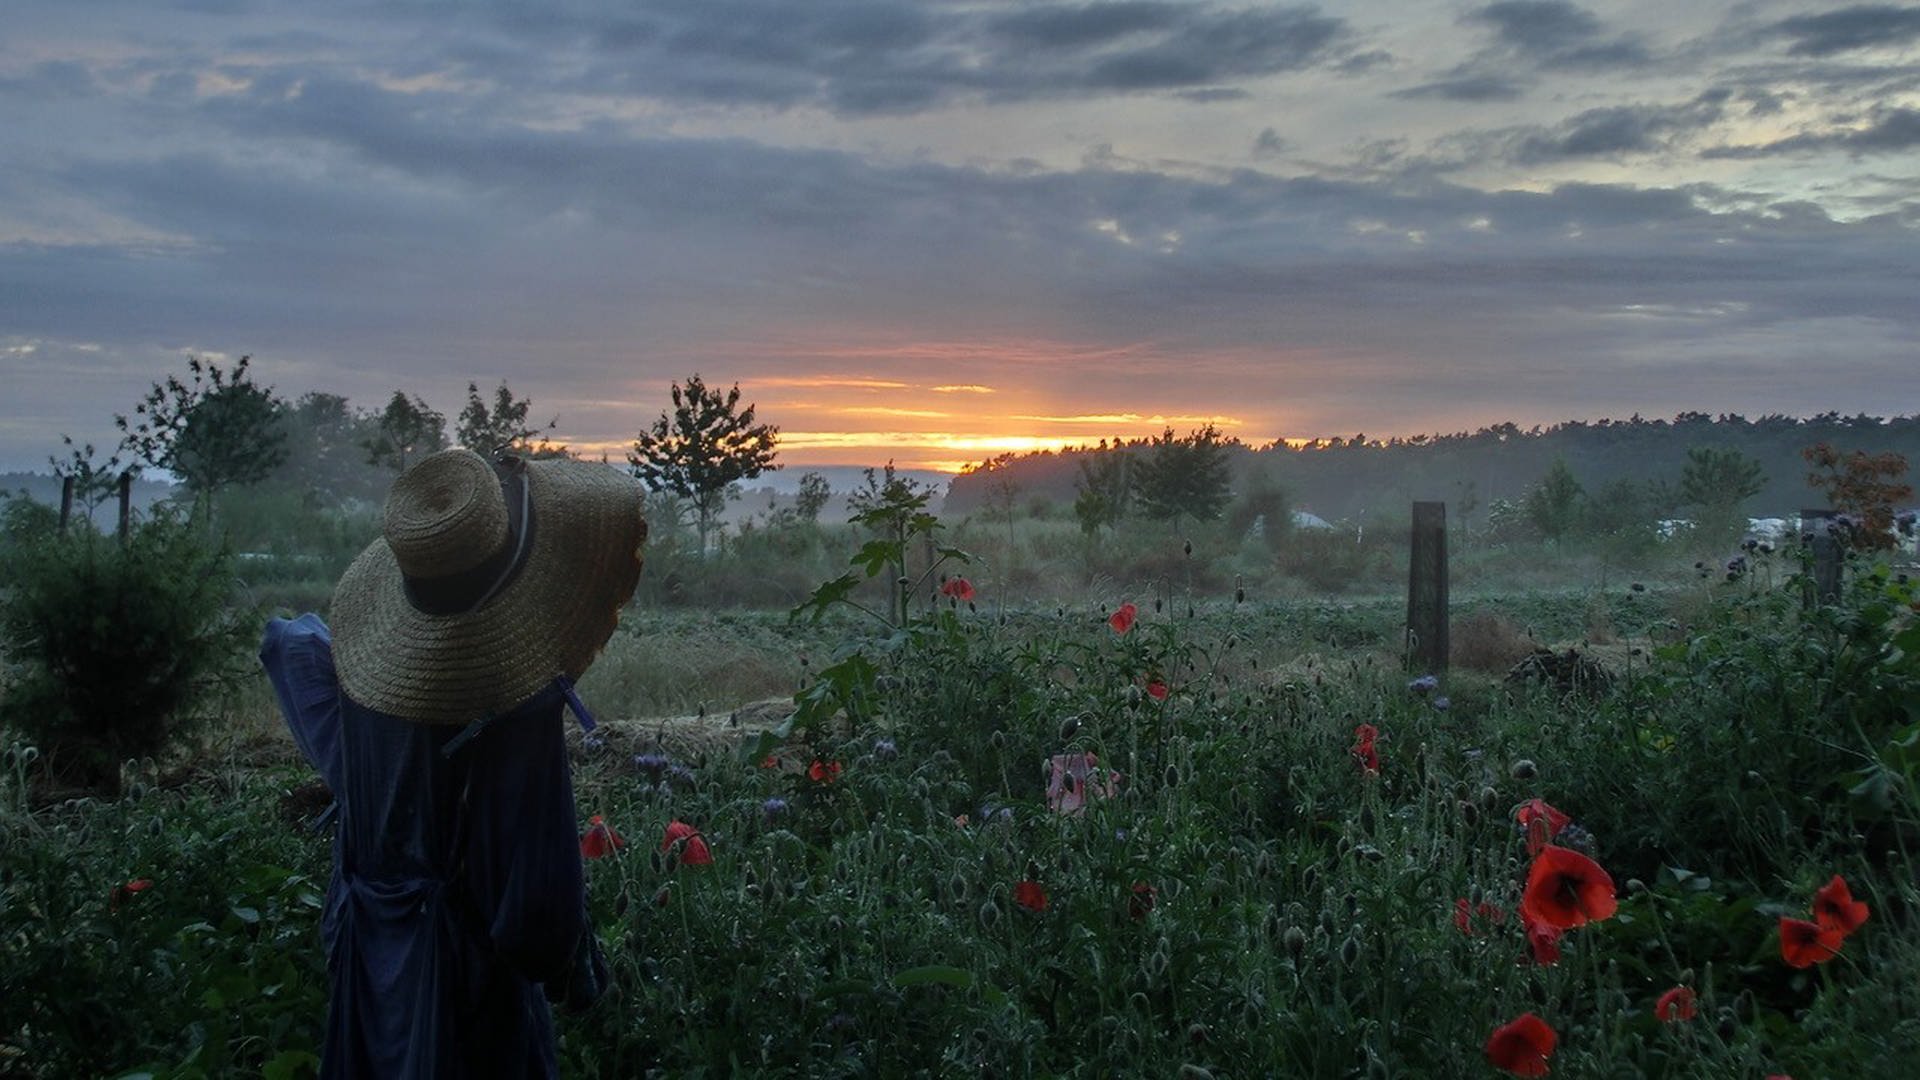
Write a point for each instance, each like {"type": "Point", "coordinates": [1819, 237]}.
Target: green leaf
{"type": "Point", "coordinates": [934, 973]}
{"type": "Point", "coordinates": [289, 1064]}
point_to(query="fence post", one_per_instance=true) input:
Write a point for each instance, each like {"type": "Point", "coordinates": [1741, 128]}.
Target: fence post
{"type": "Point", "coordinates": [126, 505]}
{"type": "Point", "coordinates": [66, 502]}
{"type": "Point", "coordinates": [1817, 525]}
{"type": "Point", "coordinates": [1427, 589]}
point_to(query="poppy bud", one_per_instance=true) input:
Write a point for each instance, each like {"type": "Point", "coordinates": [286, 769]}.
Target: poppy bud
{"type": "Point", "coordinates": [1327, 921]}
{"type": "Point", "coordinates": [1366, 819]}
{"type": "Point", "coordinates": [1469, 813]}
{"type": "Point", "coordinates": [1191, 1071]}
{"type": "Point", "coordinates": [660, 898]}
{"type": "Point", "coordinates": [836, 924]}
{"type": "Point", "coordinates": [1157, 960]}
{"type": "Point", "coordinates": [1350, 952]}
{"type": "Point", "coordinates": [1187, 549]}
{"type": "Point", "coordinates": [957, 888]}
{"type": "Point", "coordinates": [620, 904]}
{"type": "Point", "coordinates": [1172, 777]}
{"type": "Point", "coordinates": [1196, 1033]}
{"type": "Point", "coordinates": [988, 914]}
{"type": "Point", "coordinates": [1070, 728]}
{"type": "Point", "coordinates": [1157, 603]}
{"type": "Point", "coordinates": [1296, 941]}
{"type": "Point", "coordinates": [1635, 886]}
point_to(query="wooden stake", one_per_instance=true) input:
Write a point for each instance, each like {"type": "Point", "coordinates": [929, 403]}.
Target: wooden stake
{"type": "Point", "coordinates": [1427, 589]}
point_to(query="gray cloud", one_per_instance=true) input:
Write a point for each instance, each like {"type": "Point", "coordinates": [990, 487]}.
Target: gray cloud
{"type": "Point", "coordinates": [1466, 87]}
{"type": "Point", "coordinates": [1618, 130]}
{"type": "Point", "coordinates": [1860, 27]}
{"type": "Point", "coordinates": [1558, 34]}
{"type": "Point", "coordinates": [1888, 131]}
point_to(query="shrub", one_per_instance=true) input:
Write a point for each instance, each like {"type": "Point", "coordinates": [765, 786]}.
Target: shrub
{"type": "Point", "coordinates": [112, 648]}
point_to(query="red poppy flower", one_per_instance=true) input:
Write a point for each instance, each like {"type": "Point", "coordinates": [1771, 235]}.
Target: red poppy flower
{"type": "Point", "coordinates": [1522, 1046]}
{"type": "Point", "coordinates": [1835, 909]}
{"type": "Point", "coordinates": [1122, 618]}
{"type": "Point", "coordinates": [1543, 939]}
{"type": "Point", "coordinates": [1029, 895]}
{"type": "Point", "coordinates": [1804, 944]}
{"type": "Point", "coordinates": [1140, 899]}
{"type": "Point", "coordinates": [823, 772]}
{"type": "Point", "coordinates": [1676, 1004]}
{"type": "Point", "coordinates": [1542, 823]}
{"type": "Point", "coordinates": [1463, 916]}
{"type": "Point", "coordinates": [771, 761]}
{"type": "Point", "coordinates": [958, 588]}
{"type": "Point", "coordinates": [1156, 690]}
{"type": "Point", "coordinates": [693, 849]}
{"type": "Point", "coordinates": [1566, 889]}
{"type": "Point", "coordinates": [600, 840]}
{"type": "Point", "coordinates": [1363, 749]}
{"type": "Point", "coordinates": [121, 893]}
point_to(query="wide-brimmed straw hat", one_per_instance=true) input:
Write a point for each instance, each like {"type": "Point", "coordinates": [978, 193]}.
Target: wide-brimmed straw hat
{"type": "Point", "coordinates": [491, 579]}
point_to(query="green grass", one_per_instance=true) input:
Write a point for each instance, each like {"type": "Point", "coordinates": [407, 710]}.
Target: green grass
{"type": "Point", "coordinates": [1302, 913]}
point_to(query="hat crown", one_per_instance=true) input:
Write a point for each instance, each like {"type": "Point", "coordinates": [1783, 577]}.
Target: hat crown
{"type": "Point", "coordinates": [445, 515]}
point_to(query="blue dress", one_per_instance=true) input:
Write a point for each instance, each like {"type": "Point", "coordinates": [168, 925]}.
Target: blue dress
{"type": "Point", "coordinates": [457, 908]}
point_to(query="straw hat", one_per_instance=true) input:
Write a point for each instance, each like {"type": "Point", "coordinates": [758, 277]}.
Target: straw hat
{"type": "Point", "coordinates": [491, 579]}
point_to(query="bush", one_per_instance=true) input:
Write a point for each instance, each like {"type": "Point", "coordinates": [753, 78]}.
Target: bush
{"type": "Point", "coordinates": [112, 648]}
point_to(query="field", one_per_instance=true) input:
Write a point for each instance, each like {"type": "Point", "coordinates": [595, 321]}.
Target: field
{"type": "Point", "coordinates": [1225, 839]}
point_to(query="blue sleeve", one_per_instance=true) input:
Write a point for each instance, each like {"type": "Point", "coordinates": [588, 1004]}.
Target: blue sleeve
{"type": "Point", "coordinates": [298, 656]}
{"type": "Point", "coordinates": [522, 852]}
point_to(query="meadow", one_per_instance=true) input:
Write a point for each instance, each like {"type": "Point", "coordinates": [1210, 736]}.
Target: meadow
{"type": "Point", "coordinates": [1186, 837]}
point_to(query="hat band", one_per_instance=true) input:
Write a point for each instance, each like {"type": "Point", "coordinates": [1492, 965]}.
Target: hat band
{"type": "Point", "coordinates": [470, 589]}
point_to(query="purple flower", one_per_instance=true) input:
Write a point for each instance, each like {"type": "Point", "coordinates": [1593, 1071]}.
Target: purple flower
{"type": "Point", "coordinates": [651, 765]}
{"type": "Point", "coordinates": [593, 744]}
{"type": "Point", "coordinates": [885, 750]}
{"type": "Point", "coordinates": [1441, 703]}
{"type": "Point", "coordinates": [1425, 684]}
{"type": "Point", "coordinates": [773, 809]}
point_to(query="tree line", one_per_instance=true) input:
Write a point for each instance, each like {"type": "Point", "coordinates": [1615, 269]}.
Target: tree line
{"type": "Point", "coordinates": [219, 428]}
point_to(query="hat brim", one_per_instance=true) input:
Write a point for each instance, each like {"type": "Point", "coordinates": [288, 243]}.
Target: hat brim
{"type": "Point", "coordinates": [552, 620]}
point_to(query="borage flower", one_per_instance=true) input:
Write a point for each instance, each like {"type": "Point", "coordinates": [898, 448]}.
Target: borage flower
{"type": "Point", "coordinates": [600, 840]}
{"type": "Point", "coordinates": [1522, 1045]}
{"type": "Point", "coordinates": [1675, 1005]}
{"type": "Point", "coordinates": [823, 772]}
{"type": "Point", "coordinates": [685, 840]}
{"type": "Point", "coordinates": [957, 588]}
{"type": "Point", "coordinates": [1028, 894]}
{"type": "Point", "coordinates": [1835, 909]}
{"type": "Point", "coordinates": [1122, 618]}
{"type": "Point", "coordinates": [1804, 944]}
{"type": "Point", "coordinates": [1566, 889]}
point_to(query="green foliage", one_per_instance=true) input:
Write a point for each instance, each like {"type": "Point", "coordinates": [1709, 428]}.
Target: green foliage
{"type": "Point", "coordinates": [1716, 482]}
{"type": "Point", "coordinates": [1868, 486]}
{"type": "Point", "coordinates": [812, 497]}
{"type": "Point", "coordinates": [1103, 492]}
{"type": "Point", "coordinates": [407, 431]}
{"type": "Point", "coordinates": [216, 429]}
{"type": "Point", "coordinates": [486, 429]}
{"type": "Point", "coordinates": [94, 482]}
{"type": "Point", "coordinates": [214, 969]}
{"type": "Point", "coordinates": [705, 446]}
{"type": "Point", "coordinates": [115, 648]}
{"type": "Point", "coordinates": [1553, 506]}
{"type": "Point", "coordinates": [1184, 477]}
{"type": "Point", "coordinates": [894, 510]}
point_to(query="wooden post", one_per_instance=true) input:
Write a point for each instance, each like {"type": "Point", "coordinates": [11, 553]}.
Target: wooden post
{"type": "Point", "coordinates": [1427, 589]}
{"type": "Point", "coordinates": [1825, 548]}
{"type": "Point", "coordinates": [66, 501]}
{"type": "Point", "coordinates": [126, 505]}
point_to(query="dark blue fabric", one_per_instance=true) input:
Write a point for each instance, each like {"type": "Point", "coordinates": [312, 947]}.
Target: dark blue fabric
{"type": "Point", "coordinates": [458, 887]}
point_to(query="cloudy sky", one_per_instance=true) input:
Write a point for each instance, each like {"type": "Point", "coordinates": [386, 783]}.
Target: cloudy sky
{"type": "Point", "coordinates": [935, 230]}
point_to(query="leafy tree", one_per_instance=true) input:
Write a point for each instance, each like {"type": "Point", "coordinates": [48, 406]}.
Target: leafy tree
{"type": "Point", "coordinates": [1716, 481]}
{"type": "Point", "coordinates": [1264, 502]}
{"type": "Point", "coordinates": [813, 496]}
{"type": "Point", "coordinates": [406, 431]}
{"type": "Point", "coordinates": [93, 483]}
{"type": "Point", "coordinates": [703, 448]}
{"type": "Point", "coordinates": [1865, 485]}
{"type": "Point", "coordinates": [485, 429]}
{"type": "Point", "coordinates": [1553, 506]}
{"type": "Point", "coordinates": [1184, 477]}
{"type": "Point", "coordinates": [220, 428]}
{"type": "Point", "coordinates": [1104, 488]}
